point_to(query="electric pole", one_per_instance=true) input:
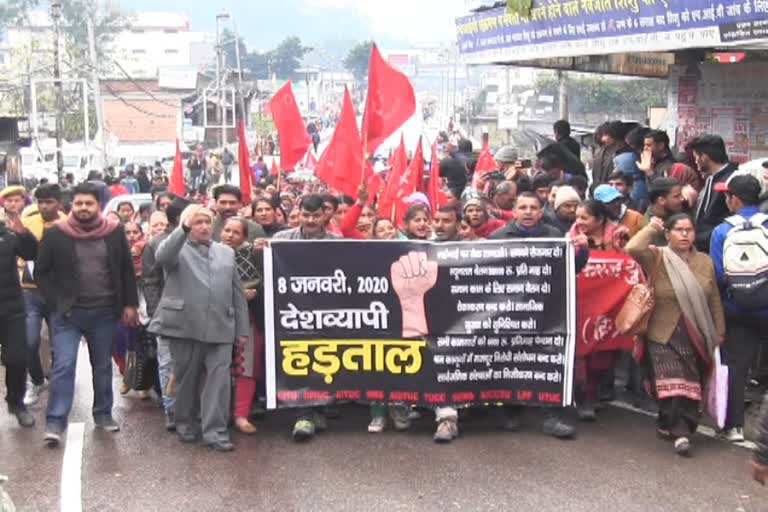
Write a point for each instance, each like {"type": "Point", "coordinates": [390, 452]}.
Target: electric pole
{"type": "Point", "coordinates": [563, 94]}
{"type": "Point", "coordinates": [56, 17]}
{"type": "Point", "coordinates": [96, 93]}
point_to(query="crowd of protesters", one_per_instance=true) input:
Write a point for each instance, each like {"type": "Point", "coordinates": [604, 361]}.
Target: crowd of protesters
{"type": "Point", "coordinates": [129, 279]}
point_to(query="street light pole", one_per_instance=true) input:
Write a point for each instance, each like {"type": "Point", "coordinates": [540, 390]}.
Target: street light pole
{"type": "Point", "coordinates": [56, 17]}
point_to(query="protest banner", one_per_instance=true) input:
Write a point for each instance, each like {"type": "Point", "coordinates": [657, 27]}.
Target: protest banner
{"type": "Point", "coordinates": [419, 322]}
{"type": "Point", "coordinates": [601, 289]}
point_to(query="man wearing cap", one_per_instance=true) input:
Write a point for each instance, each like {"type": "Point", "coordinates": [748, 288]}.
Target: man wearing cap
{"type": "Point", "coordinates": [564, 214]}
{"type": "Point", "coordinates": [712, 161]}
{"type": "Point", "coordinates": [744, 326]}
{"type": "Point", "coordinates": [614, 202]}
{"type": "Point", "coordinates": [506, 160]}
{"type": "Point", "coordinates": [13, 200]}
{"type": "Point", "coordinates": [476, 213]}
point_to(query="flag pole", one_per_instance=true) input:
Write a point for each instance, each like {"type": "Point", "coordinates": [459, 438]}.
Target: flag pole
{"type": "Point", "coordinates": [279, 177]}
{"type": "Point", "coordinates": [365, 158]}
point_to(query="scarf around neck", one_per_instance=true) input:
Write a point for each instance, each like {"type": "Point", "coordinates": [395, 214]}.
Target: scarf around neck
{"type": "Point", "coordinates": [98, 228]}
{"type": "Point", "coordinates": [691, 298]}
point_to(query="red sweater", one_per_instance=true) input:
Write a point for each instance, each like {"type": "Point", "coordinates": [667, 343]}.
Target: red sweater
{"type": "Point", "coordinates": [349, 223]}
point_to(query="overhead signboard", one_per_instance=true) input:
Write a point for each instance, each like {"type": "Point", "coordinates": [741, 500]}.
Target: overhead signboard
{"type": "Point", "coordinates": [571, 28]}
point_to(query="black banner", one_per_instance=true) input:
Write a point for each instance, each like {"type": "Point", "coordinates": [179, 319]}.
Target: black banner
{"type": "Point", "coordinates": [419, 322]}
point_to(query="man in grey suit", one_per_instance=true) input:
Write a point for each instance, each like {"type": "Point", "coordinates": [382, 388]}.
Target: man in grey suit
{"type": "Point", "coordinates": [202, 311]}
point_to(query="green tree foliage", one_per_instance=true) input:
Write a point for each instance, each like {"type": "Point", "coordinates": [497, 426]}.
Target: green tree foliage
{"type": "Point", "coordinates": [286, 58]}
{"type": "Point", "coordinates": [11, 11]}
{"type": "Point", "coordinates": [599, 95]}
{"type": "Point", "coordinates": [106, 22]}
{"type": "Point", "coordinates": [357, 60]}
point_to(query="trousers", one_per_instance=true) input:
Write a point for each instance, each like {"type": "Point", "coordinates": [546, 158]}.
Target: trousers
{"type": "Point", "coordinates": [14, 357]}
{"type": "Point", "coordinates": [202, 388]}
{"type": "Point", "coordinates": [739, 351]}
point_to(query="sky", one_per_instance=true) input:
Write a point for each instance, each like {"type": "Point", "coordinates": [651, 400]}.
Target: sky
{"type": "Point", "coordinates": [264, 23]}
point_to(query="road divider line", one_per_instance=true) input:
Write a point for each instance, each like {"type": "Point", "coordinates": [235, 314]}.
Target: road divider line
{"type": "Point", "coordinates": [71, 497]}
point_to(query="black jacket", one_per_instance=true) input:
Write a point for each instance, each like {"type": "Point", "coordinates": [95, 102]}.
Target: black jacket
{"type": "Point", "coordinates": [56, 270]}
{"type": "Point", "coordinates": [513, 230]}
{"type": "Point", "coordinates": [712, 209]}
{"type": "Point", "coordinates": [12, 246]}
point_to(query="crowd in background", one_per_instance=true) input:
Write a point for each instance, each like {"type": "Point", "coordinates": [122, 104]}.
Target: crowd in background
{"type": "Point", "coordinates": [128, 279]}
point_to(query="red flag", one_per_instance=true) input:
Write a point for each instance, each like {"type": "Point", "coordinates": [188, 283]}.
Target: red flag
{"type": "Point", "coordinates": [274, 171]}
{"type": "Point", "coordinates": [606, 280]}
{"type": "Point", "coordinates": [310, 163]}
{"type": "Point", "coordinates": [390, 102]}
{"type": "Point", "coordinates": [294, 139]}
{"type": "Point", "coordinates": [437, 197]}
{"type": "Point", "coordinates": [394, 189]}
{"type": "Point", "coordinates": [341, 164]}
{"type": "Point", "coordinates": [416, 170]}
{"type": "Point", "coordinates": [244, 163]}
{"type": "Point", "coordinates": [485, 163]}
{"type": "Point", "coordinates": [176, 185]}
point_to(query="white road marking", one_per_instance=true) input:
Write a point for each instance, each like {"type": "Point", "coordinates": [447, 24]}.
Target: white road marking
{"type": "Point", "coordinates": [703, 430]}
{"type": "Point", "coordinates": [71, 499]}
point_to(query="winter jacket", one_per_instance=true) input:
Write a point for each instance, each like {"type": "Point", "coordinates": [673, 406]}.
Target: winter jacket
{"type": "Point", "coordinates": [716, 246]}
{"type": "Point", "coordinates": [56, 271]}
{"type": "Point", "coordinates": [712, 209]}
{"type": "Point", "coordinates": [12, 245]}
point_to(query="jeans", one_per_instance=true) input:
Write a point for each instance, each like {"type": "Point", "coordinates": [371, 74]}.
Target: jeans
{"type": "Point", "coordinates": [164, 369]}
{"type": "Point", "coordinates": [14, 358]}
{"type": "Point", "coordinates": [37, 311]}
{"type": "Point", "coordinates": [97, 325]}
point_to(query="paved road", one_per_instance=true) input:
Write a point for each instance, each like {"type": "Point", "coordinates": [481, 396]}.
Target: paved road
{"type": "Point", "coordinates": [615, 464]}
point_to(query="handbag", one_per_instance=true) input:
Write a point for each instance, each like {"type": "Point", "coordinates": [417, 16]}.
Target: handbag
{"type": "Point", "coordinates": [635, 313]}
{"type": "Point", "coordinates": [139, 373]}
{"type": "Point", "coordinates": [717, 391]}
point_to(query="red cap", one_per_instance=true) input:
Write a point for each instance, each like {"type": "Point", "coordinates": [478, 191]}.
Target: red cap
{"type": "Point", "coordinates": [721, 186]}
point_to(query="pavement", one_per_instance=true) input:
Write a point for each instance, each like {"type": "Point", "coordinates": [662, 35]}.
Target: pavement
{"type": "Point", "coordinates": [616, 463]}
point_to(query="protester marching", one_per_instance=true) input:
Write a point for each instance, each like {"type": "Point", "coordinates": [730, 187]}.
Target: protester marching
{"type": "Point", "coordinates": [450, 281]}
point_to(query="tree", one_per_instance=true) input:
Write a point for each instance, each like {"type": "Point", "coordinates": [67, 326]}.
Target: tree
{"type": "Point", "coordinates": [286, 58]}
{"type": "Point", "coordinates": [357, 60]}
{"type": "Point", "coordinates": [106, 22]}
{"type": "Point", "coordinates": [11, 11]}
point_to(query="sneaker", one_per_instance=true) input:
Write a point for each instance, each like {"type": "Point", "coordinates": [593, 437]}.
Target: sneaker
{"type": "Point", "coordinates": [24, 417]}
{"type": "Point", "coordinates": [32, 396]}
{"type": "Point", "coordinates": [107, 424]}
{"type": "Point", "coordinates": [556, 427]}
{"type": "Point", "coordinates": [447, 431]}
{"type": "Point", "coordinates": [734, 435]}
{"type": "Point", "coordinates": [377, 425]}
{"type": "Point", "coordinates": [682, 446]}
{"type": "Point", "coordinates": [586, 411]}
{"type": "Point", "coordinates": [321, 424]}
{"type": "Point", "coordinates": [303, 430]}
{"type": "Point", "coordinates": [400, 418]}
{"type": "Point", "coordinates": [52, 439]}
{"type": "Point", "coordinates": [170, 422]}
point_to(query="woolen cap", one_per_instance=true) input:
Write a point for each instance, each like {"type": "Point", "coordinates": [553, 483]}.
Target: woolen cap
{"type": "Point", "coordinates": [506, 154]}
{"type": "Point", "coordinates": [566, 194]}
{"type": "Point", "coordinates": [13, 190]}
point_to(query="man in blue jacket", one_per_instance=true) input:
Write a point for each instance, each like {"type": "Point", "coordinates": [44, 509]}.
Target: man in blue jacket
{"type": "Point", "coordinates": [744, 317]}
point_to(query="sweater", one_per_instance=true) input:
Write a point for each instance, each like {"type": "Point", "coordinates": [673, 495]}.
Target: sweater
{"type": "Point", "coordinates": [666, 313]}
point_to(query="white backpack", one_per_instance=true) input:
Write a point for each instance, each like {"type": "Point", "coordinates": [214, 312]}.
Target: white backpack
{"type": "Point", "coordinates": [745, 261]}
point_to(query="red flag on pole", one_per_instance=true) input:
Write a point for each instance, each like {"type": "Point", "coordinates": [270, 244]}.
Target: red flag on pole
{"type": "Point", "coordinates": [416, 170]}
{"type": "Point", "coordinates": [341, 164]}
{"type": "Point", "coordinates": [435, 193]}
{"type": "Point", "coordinates": [244, 163]}
{"type": "Point", "coordinates": [176, 185]}
{"type": "Point", "coordinates": [294, 139]}
{"type": "Point", "coordinates": [390, 102]}
{"type": "Point", "coordinates": [393, 190]}
{"type": "Point", "coordinates": [273, 170]}
{"type": "Point", "coordinates": [485, 163]}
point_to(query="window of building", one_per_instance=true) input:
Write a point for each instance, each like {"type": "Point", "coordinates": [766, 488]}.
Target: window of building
{"type": "Point", "coordinates": [3, 59]}
{"type": "Point", "coordinates": [171, 51]}
{"type": "Point", "coordinates": [139, 51]}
